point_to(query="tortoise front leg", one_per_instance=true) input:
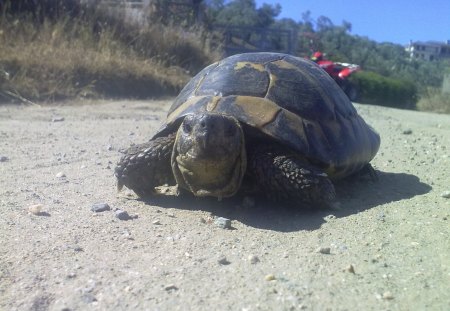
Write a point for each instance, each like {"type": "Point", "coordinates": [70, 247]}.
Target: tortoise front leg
{"type": "Point", "coordinates": [145, 166]}
{"type": "Point", "coordinates": [285, 176]}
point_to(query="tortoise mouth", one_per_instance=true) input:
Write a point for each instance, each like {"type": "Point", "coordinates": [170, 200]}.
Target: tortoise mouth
{"type": "Point", "coordinates": [209, 157]}
{"type": "Point", "coordinates": [210, 178]}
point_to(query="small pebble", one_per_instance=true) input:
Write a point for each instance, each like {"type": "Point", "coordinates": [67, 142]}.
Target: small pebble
{"type": "Point", "coordinates": [71, 275]}
{"type": "Point", "coordinates": [223, 223]}
{"type": "Point", "coordinates": [122, 215]}
{"type": "Point", "coordinates": [324, 250]}
{"type": "Point", "coordinates": [223, 260]}
{"type": "Point", "coordinates": [329, 217]}
{"type": "Point", "coordinates": [407, 132]}
{"type": "Point", "coordinates": [151, 118]}
{"type": "Point", "coordinates": [445, 194]}
{"type": "Point", "coordinates": [100, 207]}
{"type": "Point", "coordinates": [89, 287]}
{"type": "Point", "coordinates": [207, 220]}
{"type": "Point", "coordinates": [156, 222]}
{"type": "Point", "coordinates": [77, 248]}
{"type": "Point", "coordinates": [88, 298]}
{"type": "Point", "coordinates": [58, 119]}
{"type": "Point", "coordinates": [3, 159]}
{"type": "Point", "coordinates": [126, 233]}
{"type": "Point", "coordinates": [109, 148]}
{"type": "Point", "coordinates": [128, 193]}
{"type": "Point", "coordinates": [350, 269]}
{"type": "Point", "coordinates": [270, 277]}
{"type": "Point", "coordinates": [388, 296]}
{"type": "Point", "coordinates": [253, 259]}
{"type": "Point", "coordinates": [60, 175]}
{"type": "Point", "coordinates": [170, 287]}
{"type": "Point", "coordinates": [35, 209]}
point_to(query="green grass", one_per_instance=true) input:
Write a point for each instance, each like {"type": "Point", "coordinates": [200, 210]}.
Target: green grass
{"type": "Point", "coordinates": [72, 57]}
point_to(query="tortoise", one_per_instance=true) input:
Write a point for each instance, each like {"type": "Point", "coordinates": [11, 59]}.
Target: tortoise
{"type": "Point", "coordinates": [265, 122]}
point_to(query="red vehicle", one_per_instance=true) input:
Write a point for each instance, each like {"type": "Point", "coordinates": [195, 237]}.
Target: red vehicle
{"type": "Point", "coordinates": [340, 72]}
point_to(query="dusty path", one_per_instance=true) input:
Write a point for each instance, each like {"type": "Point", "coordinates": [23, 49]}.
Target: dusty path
{"type": "Point", "coordinates": [389, 242]}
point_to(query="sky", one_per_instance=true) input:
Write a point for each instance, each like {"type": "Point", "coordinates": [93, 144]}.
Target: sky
{"type": "Point", "coordinates": [397, 21]}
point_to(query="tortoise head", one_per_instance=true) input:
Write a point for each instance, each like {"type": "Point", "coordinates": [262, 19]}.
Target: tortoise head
{"type": "Point", "coordinates": [209, 157]}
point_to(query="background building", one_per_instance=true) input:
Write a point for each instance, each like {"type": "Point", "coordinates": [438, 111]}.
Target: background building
{"type": "Point", "coordinates": [429, 50]}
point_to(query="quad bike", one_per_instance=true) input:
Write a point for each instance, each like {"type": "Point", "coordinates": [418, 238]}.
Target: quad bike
{"type": "Point", "coordinates": [340, 72]}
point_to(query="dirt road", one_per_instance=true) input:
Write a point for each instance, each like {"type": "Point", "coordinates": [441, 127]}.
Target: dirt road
{"type": "Point", "coordinates": [386, 248]}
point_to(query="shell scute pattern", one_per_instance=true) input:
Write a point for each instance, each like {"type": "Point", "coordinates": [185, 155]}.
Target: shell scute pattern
{"type": "Point", "coordinates": [291, 100]}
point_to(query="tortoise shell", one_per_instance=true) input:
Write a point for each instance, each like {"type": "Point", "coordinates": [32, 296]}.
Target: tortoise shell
{"type": "Point", "coordinates": [287, 98]}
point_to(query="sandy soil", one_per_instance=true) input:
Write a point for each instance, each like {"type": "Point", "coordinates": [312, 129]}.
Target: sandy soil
{"type": "Point", "coordinates": [388, 244]}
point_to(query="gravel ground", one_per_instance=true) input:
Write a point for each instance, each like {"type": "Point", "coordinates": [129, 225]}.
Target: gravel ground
{"type": "Point", "coordinates": [386, 248]}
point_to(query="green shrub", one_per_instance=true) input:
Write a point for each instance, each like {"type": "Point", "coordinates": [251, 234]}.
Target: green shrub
{"type": "Point", "coordinates": [379, 90]}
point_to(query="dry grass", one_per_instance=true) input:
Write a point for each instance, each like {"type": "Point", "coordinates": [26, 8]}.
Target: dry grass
{"type": "Point", "coordinates": [435, 101]}
{"type": "Point", "coordinates": [71, 58]}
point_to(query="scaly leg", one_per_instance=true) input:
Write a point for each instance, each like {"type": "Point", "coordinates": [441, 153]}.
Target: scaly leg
{"type": "Point", "coordinates": [283, 175]}
{"type": "Point", "coordinates": [146, 166]}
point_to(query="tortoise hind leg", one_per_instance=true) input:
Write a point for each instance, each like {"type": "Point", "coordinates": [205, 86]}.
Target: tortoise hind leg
{"type": "Point", "coordinates": [286, 176]}
{"type": "Point", "coordinates": [369, 172]}
{"type": "Point", "coordinates": [145, 166]}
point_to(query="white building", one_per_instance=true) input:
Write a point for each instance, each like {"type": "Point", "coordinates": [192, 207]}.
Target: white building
{"type": "Point", "coordinates": [429, 50]}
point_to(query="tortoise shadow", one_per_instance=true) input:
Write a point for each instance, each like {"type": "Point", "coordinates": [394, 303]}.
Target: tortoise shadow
{"type": "Point", "coordinates": [354, 195]}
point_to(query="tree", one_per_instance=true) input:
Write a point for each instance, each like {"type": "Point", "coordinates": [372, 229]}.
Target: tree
{"type": "Point", "coordinates": [267, 13]}
{"type": "Point", "coordinates": [323, 23]}
{"type": "Point", "coordinates": [244, 13]}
